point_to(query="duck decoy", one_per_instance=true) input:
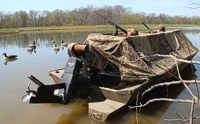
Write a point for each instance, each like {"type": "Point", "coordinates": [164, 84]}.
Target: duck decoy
{"type": "Point", "coordinates": [32, 45]}
{"type": "Point", "coordinates": [52, 40]}
{"type": "Point", "coordinates": [56, 48]}
{"type": "Point", "coordinates": [10, 57]}
{"type": "Point", "coordinates": [63, 44]}
{"type": "Point", "coordinates": [31, 48]}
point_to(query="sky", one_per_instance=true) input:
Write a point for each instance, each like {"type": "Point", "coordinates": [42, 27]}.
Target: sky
{"type": "Point", "coordinates": [168, 7]}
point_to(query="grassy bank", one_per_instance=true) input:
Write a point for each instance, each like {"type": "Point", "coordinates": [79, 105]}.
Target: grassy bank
{"type": "Point", "coordinates": [82, 28]}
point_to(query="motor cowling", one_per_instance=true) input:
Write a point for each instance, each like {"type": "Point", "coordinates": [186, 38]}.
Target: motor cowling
{"type": "Point", "coordinates": [76, 78]}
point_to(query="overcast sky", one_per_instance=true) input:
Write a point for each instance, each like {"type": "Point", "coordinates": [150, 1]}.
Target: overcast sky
{"type": "Point", "coordinates": [169, 7]}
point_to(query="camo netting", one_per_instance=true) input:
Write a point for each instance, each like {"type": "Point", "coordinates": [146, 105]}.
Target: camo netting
{"type": "Point", "coordinates": [134, 55]}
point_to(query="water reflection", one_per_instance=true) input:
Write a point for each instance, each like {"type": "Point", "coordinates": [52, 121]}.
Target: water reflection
{"type": "Point", "coordinates": [75, 112]}
{"type": "Point", "coordinates": [31, 50]}
{"type": "Point", "coordinates": [43, 58]}
{"type": "Point", "coordinates": [43, 39]}
{"type": "Point", "coordinates": [192, 28]}
{"type": "Point", "coordinates": [8, 61]}
{"type": "Point", "coordinates": [76, 115]}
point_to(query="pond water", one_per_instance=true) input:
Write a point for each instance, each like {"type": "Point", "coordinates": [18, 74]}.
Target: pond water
{"type": "Point", "coordinates": [38, 62]}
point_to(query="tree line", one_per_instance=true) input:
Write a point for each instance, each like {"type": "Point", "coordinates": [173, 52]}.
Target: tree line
{"type": "Point", "coordinates": [87, 16]}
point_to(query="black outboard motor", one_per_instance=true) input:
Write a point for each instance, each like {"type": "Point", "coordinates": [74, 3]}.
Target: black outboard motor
{"type": "Point", "coordinates": [75, 83]}
{"type": "Point", "coordinates": [76, 79]}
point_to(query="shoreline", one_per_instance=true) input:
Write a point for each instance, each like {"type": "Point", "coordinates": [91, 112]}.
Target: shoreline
{"type": "Point", "coordinates": [8, 31]}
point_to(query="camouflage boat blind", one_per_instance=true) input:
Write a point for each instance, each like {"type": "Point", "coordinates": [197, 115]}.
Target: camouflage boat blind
{"type": "Point", "coordinates": [134, 55]}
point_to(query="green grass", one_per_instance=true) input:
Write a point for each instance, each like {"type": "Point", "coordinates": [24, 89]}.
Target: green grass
{"type": "Point", "coordinates": [8, 30]}
{"type": "Point", "coordinates": [83, 28]}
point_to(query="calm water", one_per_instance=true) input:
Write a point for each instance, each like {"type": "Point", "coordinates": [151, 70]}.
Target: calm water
{"type": "Point", "coordinates": [13, 83]}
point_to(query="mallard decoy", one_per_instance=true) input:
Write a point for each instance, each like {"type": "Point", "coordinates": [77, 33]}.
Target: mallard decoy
{"type": "Point", "coordinates": [10, 57]}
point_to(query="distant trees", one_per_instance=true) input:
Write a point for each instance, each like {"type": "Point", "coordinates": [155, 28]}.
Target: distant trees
{"type": "Point", "coordinates": [87, 16]}
{"type": "Point", "coordinates": [194, 4]}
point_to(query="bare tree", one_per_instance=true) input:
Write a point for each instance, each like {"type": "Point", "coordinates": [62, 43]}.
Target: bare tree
{"type": "Point", "coordinates": [150, 17]}
{"type": "Point", "coordinates": [2, 20]}
{"type": "Point", "coordinates": [22, 18]}
{"type": "Point", "coordinates": [194, 4]}
{"type": "Point", "coordinates": [33, 18]}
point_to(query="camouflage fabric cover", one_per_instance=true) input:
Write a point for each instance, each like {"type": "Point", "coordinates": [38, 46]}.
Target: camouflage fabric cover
{"type": "Point", "coordinates": [134, 55]}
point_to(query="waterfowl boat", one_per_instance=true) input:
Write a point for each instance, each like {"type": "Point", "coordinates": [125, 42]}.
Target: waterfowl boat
{"type": "Point", "coordinates": [114, 70]}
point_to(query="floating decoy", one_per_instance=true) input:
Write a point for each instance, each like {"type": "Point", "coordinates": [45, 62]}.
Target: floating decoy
{"type": "Point", "coordinates": [64, 44]}
{"type": "Point", "coordinates": [32, 45]}
{"type": "Point", "coordinates": [56, 48]}
{"type": "Point", "coordinates": [10, 57]}
{"type": "Point", "coordinates": [32, 48]}
{"type": "Point", "coordinates": [52, 41]}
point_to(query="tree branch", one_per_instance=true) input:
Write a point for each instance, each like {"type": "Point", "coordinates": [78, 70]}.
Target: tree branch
{"type": "Point", "coordinates": [168, 84]}
{"type": "Point", "coordinates": [164, 99]}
